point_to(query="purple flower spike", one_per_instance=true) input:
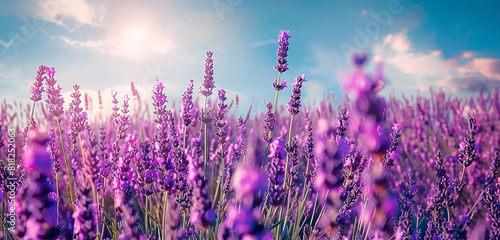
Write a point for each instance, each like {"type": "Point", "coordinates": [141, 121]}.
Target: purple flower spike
{"type": "Point", "coordinates": [208, 82]}
{"type": "Point", "coordinates": [77, 118]}
{"type": "Point", "coordinates": [222, 95]}
{"type": "Point", "coordinates": [187, 107]}
{"type": "Point", "coordinates": [159, 98]}
{"type": "Point", "coordinates": [270, 123]}
{"type": "Point", "coordinates": [468, 146]}
{"type": "Point", "coordinates": [85, 214]}
{"type": "Point", "coordinates": [54, 97]}
{"type": "Point", "coordinates": [294, 103]}
{"type": "Point", "coordinates": [280, 86]}
{"type": "Point", "coordinates": [37, 88]}
{"type": "Point", "coordinates": [276, 169]}
{"type": "Point", "coordinates": [282, 51]}
{"type": "Point", "coordinates": [202, 214]}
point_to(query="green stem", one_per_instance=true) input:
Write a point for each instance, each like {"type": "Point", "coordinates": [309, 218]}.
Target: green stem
{"type": "Point", "coordinates": [68, 168]}
{"type": "Point", "coordinates": [301, 206]}
{"type": "Point", "coordinates": [314, 210]}
{"type": "Point", "coordinates": [274, 115]}
{"type": "Point", "coordinates": [4, 211]}
{"type": "Point", "coordinates": [32, 113]}
{"type": "Point", "coordinates": [276, 98]}
{"type": "Point", "coordinates": [103, 195]}
{"type": "Point", "coordinates": [287, 154]}
{"type": "Point", "coordinates": [147, 216]}
{"type": "Point", "coordinates": [58, 197]}
{"type": "Point", "coordinates": [165, 211]}
{"type": "Point", "coordinates": [81, 147]}
{"type": "Point", "coordinates": [205, 153]}
{"type": "Point", "coordinates": [286, 173]}
{"type": "Point", "coordinates": [223, 195]}
{"type": "Point", "coordinates": [184, 138]}
{"type": "Point", "coordinates": [115, 226]}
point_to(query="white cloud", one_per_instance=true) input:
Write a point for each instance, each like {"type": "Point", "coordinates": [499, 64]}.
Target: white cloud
{"type": "Point", "coordinates": [399, 42]}
{"type": "Point", "coordinates": [489, 67]}
{"type": "Point", "coordinates": [422, 67]}
{"type": "Point", "coordinates": [396, 50]}
{"type": "Point", "coordinates": [77, 10]}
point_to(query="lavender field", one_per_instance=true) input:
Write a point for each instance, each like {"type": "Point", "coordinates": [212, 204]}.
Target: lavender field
{"type": "Point", "coordinates": [359, 167]}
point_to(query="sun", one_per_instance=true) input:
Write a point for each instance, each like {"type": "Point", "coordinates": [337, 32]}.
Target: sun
{"type": "Point", "coordinates": [135, 39]}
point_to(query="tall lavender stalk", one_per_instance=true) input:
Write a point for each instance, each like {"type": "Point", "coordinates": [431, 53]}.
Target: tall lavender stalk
{"type": "Point", "coordinates": [220, 123]}
{"type": "Point", "coordinates": [37, 89]}
{"type": "Point", "coordinates": [293, 108]}
{"type": "Point", "coordinates": [187, 108]}
{"type": "Point", "coordinates": [280, 68]}
{"type": "Point", "coordinates": [55, 102]}
{"type": "Point", "coordinates": [85, 216]}
{"type": "Point", "coordinates": [282, 63]}
{"type": "Point", "coordinates": [206, 90]}
{"type": "Point", "coordinates": [202, 214]}
{"type": "Point", "coordinates": [77, 118]}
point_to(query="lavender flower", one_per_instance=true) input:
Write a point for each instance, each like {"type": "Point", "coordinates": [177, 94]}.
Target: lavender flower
{"type": "Point", "coordinates": [85, 214]}
{"type": "Point", "coordinates": [2, 137]}
{"type": "Point", "coordinates": [438, 202]}
{"type": "Point", "coordinates": [146, 169]}
{"type": "Point", "coordinates": [54, 98]}
{"type": "Point", "coordinates": [124, 201]}
{"type": "Point", "coordinates": [187, 107]}
{"type": "Point", "coordinates": [37, 88]}
{"type": "Point", "coordinates": [309, 145]}
{"type": "Point", "coordinates": [405, 202]}
{"type": "Point", "coordinates": [269, 125]}
{"type": "Point", "coordinates": [493, 207]}
{"type": "Point", "coordinates": [276, 171]}
{"type": "Point", "coordinates": [279, 87]}
{"type": "Point", "coordinates": [392, 153]}
{"type": "Point", "coordinates": [53, 151]}
{"type": "Point", "coordinates": [77, 118]}
{"type": "Point", "coordinates": [342, 120]}
{"type": "Point", "coordinates": [294, 103]}
{"type": "Point", "coordinates": [293, 158]}
{"type": "Point", "coordinates": [208, 82]}
{"type": "Point", "coordinates": [468, 146]}
{"type": "Point", "coordinates": [161, 120]}
{"type": "Point", "coordinates": [330, 177]}
{"type": "Point", "coordinates": [282, 51]}
{"type": "Point", "coordinates": [220, 123]}
{"type": "Point", "coordinates": [202, 214]}
{"type": "Point", "coordinates": [121, 122]}
{"type": "Point", "coordinates": [91, 161]}
{"type": "Point", "coordinates": [244, 222]}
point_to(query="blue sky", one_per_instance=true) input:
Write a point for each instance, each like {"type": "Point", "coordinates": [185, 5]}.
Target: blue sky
{"type": "Point", "coordinates": [103, 45]}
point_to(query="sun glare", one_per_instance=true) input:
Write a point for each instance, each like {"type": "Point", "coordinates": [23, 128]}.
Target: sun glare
{"type": "Point", "coordinates": [135, 39]}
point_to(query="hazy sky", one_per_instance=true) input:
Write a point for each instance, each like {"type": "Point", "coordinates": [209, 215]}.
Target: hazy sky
{"type": "Point", "coordinates": [103, 45]}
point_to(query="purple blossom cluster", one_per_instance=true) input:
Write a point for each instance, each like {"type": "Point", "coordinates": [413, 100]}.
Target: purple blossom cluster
{"type": "Point", "coordinates": [363, 167]}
